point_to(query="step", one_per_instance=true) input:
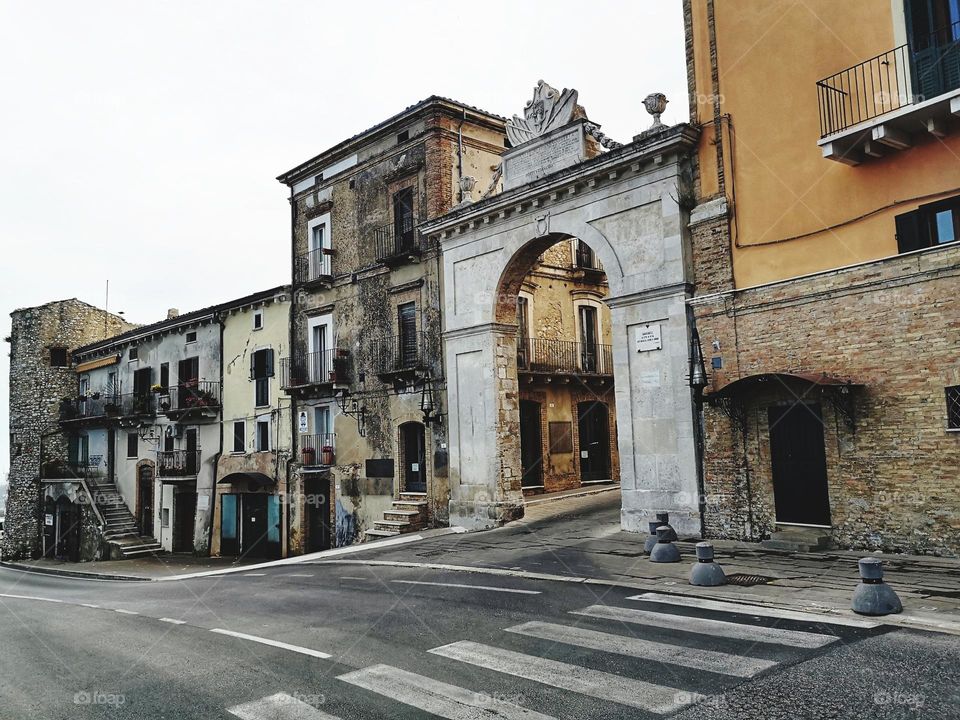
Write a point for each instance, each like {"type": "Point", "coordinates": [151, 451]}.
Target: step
{"type": "Point", "coordinates": [409, 505]}
{"type": "Point", "coordinates": [370, 534]}
{"type": "Point", "coordinates": [409, 516]}
{"type": "Point", "coordinates": [798, 540]}
{"type": "Point", "coordinates": [388, 524]}
{"type": "Point", "coordinates": [145, 550]}
{"type": "Point", "coordinates": [413, 497]}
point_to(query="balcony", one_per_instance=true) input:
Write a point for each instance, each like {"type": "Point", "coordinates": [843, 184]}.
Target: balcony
{"type": "Point", "coordinates": [318, 449]}
{"type": "Point", "coordinates": [94, 406]}
{"type": "Point", "coordinates": [315, 266]}
{"type": "Point", "coordinates": [328, 367]}
{"type": "Point", "coordinates": [398, 243]}
{"type": "Point", "coordinates": [91, 468]}
{"type": "Point", "coordinates": [399, 356]}
{"type": "Point", "coordinates": [177, 463]}
{"type": "Point", "coordinates": [195, 400]}
{"type": "Point", "coordinates": [544, 359]}
{"type": "Point", "coordinates": [875, 106]}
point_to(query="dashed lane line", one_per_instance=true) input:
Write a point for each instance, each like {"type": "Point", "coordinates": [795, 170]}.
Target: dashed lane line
{"type": "Point", "coordinates": [489, 588]}
{"type": "Point", "coordinates": [273, 643]}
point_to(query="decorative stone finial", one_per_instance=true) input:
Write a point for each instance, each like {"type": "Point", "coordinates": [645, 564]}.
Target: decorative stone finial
{"type": "Point", "coordinates": [655, 104]}
{"type": "Point", "coordinates": [467, 183]}
{"type": "Point", "coordinates": [548, 110]}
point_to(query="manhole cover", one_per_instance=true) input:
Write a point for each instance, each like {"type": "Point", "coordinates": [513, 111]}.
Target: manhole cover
{"type": "Point", "coordinates": [748, 580]}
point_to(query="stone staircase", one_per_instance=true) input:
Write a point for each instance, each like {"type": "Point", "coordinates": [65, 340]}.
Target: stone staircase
{"type": "Point", "coordinates": [120, 529]}
{"type": "Point", "coordinates": [799, 539]}
{"type": "Point", "coordinates": [408, 514]}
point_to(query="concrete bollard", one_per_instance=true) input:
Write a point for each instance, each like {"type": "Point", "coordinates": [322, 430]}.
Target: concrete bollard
{"type": "Point", "coordinates": [663, 518]}
{"type": "Point", "coordinates": [705, 571]}
{"type": "Point", "coordinates": [873, 596]}
{"type": "Point", "coordinates": [664, 551]}
{"type": "Point", "coordinates": [651, 538]}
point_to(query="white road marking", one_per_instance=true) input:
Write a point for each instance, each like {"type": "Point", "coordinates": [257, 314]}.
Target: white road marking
{"type": "Point", "coordinates": [586, 681]}
{"type": "Point", "coordinates": [350, 577]}
{"type": "Point", "coordinates": [89, 605]}
{"type": "Point", "coordinates": [173, 621]}
{"type": "Point", "coordinates": [758, 610]}
{"type": "Point", "coordinates": [30, 597]}
{"type": "Point", "coordinates": [125, 612]}
{"type": "Point", "coordinates": [471, 587]}
{"type": "Point", "coordinates": [279, 707]}
{"type": "Point", "coordinates": [254, 574]}
{"type": "Point", "coordinates": [273, 643]}
{"type": "Point", "coordinates": [709, 660]}
{"type": "Point", "coordinates": [435, 697]}
{"type": "Point", "coordinates": [303, 575]}
{"type": "Point", "coordinates": [705, 626]}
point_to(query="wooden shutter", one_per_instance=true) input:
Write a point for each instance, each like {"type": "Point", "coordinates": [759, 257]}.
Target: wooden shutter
{"type": "Point", "coordinates": [407, 322]}
{"type": "Point", "coordinates": [910, 234]}
{"type": "Point", "coordinates": [268, 362]}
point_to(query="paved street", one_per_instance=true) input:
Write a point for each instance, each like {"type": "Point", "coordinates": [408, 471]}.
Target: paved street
{"type": "Point", "coordinates": [325, 640]}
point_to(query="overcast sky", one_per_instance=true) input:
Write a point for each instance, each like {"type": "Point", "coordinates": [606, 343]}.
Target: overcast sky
{"type": "Point", "coordinates": [139, 141]}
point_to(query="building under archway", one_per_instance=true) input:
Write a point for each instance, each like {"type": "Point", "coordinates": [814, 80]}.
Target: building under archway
{"type": "Point", "coordinates": [625, 204]}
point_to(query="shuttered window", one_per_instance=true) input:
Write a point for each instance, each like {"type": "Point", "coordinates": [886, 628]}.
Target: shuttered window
{"type": "Point", "coordinates": [929, 225]}
{"type": "Point", "coordinates": [407, 325]}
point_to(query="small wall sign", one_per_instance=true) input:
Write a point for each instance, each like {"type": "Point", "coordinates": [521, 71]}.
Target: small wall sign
{"type": "Point", "coordinates": [48, 520]}
{"type": "Point", "coordinates": [302, 422]}
{"type": "Point", "coordinates": [648, 338]}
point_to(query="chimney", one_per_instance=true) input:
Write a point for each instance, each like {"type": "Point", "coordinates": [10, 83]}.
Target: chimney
{"type": "Point", "coordinates": [172, 313]}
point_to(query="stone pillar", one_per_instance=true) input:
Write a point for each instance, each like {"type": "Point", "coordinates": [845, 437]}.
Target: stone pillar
{"type": "Point", "coordinates": [655, 412]}
{"type": "Point", "coordinates": [485, 468]}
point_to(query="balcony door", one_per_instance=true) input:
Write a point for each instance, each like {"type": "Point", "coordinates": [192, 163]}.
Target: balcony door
{"type": "Point", "coordinates": [523, 332]}
{"type": "Point", "coordinates": [188, 377]}
{"type": "Point", "coordinates": [320, 360]}
{"type": "Point", "coordinates": [588, 338]}
{"type": "Point", "coordinates": [403, 220]}
{"type": "Point", "coordinates": [933, 31]}
{"type": "Point", "coordinates": [407, 326]}
{"type": "Point", "coordinates": [192, 461]}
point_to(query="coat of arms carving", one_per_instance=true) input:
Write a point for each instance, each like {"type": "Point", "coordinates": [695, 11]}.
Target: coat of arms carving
{"type": "Point", "coordinates": [549, 109]}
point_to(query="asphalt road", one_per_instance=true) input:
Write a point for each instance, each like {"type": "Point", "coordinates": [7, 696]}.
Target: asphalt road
{"type": "Point", "coordinates": [353, 641]}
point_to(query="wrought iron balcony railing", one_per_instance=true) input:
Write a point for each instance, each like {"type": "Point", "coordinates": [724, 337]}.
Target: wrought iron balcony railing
{"type": "Point", "coordinates": [327, 367]}
{"type": "Point", "coordinates": [399, 353]}
{"type": "Point", "coordinates": [192, 395]}
{"type": "Point", "coordinates": [397, 242]}
{"type": "Point", "coordinates": [178, 463]}
{"type": "Point", "coordinates": [314, 265]}
{"type": "Point", "coordinates": [91, 468]}
{"type": "Point", "coordinates": [318, 448]}
{"type": "Point", "coordinates": [900, 77]}
{"type": "Point", "coordinates": [565, 357]}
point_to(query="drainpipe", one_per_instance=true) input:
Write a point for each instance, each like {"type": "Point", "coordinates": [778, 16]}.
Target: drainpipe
{"type": "Point", "coordinates": [460, 154]}
{"type": "Point", "coordinates": [216, 458]}
{"type": "Point", "coordinates": [285, 530]}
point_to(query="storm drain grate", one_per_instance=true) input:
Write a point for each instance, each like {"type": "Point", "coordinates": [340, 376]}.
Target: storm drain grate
{"type": "Point", "coordinates": [748, 580]}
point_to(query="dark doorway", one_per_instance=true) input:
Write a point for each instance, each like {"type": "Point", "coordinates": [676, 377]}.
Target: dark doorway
{"type": "Point", "coordinates": [67, 531]}
{"type": "Point", "coordinates": [317, 491]}
{"type": "Point", "coordinates": [253, 525]}
{"type": "Point", "coordinates": [403, 225]}
{"type": "Point", "coordinates": [799, 465]}
{"type": "Point", "coordinates": [531, 444]}
{"type": "Point", "coordinates": [145, 499]}
{"type": "Point", "coordinates": [188, 377]}
{"type": "Point", "coordinates": [192, 460]}
{"type": "Point", "coordinates": [184, 513]}
{"type": "Point", "coordinates": [412, 445]}
{"type": "Point", "coordinates": [593, 423]}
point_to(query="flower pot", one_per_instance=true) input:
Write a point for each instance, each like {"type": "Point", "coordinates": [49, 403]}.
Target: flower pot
{"type": "Point", "coordinates": [309, 456]}
{"type": "Point", "coordinates": [326, 455]}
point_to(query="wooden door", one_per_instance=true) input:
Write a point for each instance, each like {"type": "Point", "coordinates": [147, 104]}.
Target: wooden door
{"type": "Point", "coordinates": [799, 465]}
{"type": "Point", "coordinates": [531, 444]}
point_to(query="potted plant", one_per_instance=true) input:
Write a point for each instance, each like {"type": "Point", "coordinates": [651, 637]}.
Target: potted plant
{"type": "Point", "coordinates": [111, 407]}
{"type": "Point", "coordinates": [309, 456]}
{"type": "Point", "coordinates": [156, 388]}
{"type": "Point", "coordinates": [326, 455]}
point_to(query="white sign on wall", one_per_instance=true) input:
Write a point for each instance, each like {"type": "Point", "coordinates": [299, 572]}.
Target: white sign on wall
{"type": "Point", "coordinates": [203, 502]}
{"type": "Point", "coordinates": [302, 422]}
{"type": "Point", "coordinates": [48, 520]}
{"type": "Point", "coordinates": [648, 338]}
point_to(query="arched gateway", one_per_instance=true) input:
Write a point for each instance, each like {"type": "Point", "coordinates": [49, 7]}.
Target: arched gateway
{"type": "Point", "coordinates": [625, 204]}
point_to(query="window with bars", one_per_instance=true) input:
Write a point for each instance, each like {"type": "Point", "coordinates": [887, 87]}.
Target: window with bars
{"type": "Point", "coordinates": [953, 407]}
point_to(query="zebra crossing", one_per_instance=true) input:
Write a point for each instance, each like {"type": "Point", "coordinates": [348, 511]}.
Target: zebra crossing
{"type": "Point", "coordinates": [678, 644]}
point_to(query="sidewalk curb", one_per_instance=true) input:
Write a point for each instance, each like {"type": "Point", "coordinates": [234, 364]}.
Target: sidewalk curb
{"type": "Point", "coordinates": [76, 574]}
{"type": "Point", "coordinates": [903, 620]}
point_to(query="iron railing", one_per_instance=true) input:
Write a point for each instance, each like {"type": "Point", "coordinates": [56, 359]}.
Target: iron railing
{"type": "Point", "coordinates": [397, 241]}
{"type": "Point", "coordinates": [93, 405]}
{"type": "Point", "coordinates": [314, 265]}
{"type": "Point", "coordinates": [132, 404]}
{"type": "Point", "coordinates": [177, 463]}
{"type": "Point", "coordinates": [191, 395]}
{"type": "Point", "coordinates": [399, 353]}
{"type": "Point", "coordinates": [318, 448]}
{"type": "Point", "coordinates": [563, 357]}
{"type": "Point", "coordinates": [73, 469]}
{"type": "Point", "coordinates": [316, 368]}
{"type": "Point", "coordinates": [900, 77]}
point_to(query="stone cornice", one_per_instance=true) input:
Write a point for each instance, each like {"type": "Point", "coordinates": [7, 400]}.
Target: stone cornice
{"type": "Point", "coordinates": [495, 328]}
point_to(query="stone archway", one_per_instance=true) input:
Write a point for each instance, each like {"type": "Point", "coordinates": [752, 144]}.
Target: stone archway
{"type": "Point", "coordinates": [624, 205]}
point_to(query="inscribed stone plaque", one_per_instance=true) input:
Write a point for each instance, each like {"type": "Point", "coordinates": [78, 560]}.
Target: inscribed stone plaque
{"type": "Point", "coordinates": [561, 437]}
{"type": "Point", "coordinates": [547, 154]}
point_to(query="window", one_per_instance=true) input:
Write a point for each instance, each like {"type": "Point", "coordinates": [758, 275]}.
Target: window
{"type": "Point", "coordinates": [165, 375]}
{"type": "Point", "coordinates": [407, 326]}
{"type": "Point", "coordinates": [953, 407]}
{"type": "Point", "coordinates": [261, 370]}
{"type": "Point", "coordinates": [402, 137]}
{"type": "Point", "coordinates": [929, 225]}
{"type": "Point", "coordinates": [258, 320]}
{"type": "Point", "coordinates": [133, 354]}
{"type": "Point", "coordinates": [168, 440]}
{"type": "Point", "coordinates": [321, 419]}
{"type": "Point", "coordinates": [588, 338]}
{"type": "Point", "coordinates": [192, 336]}
{"type": "Point", "coordinates": [59, 357]}
{"type": "Point", "coordinates": [523, 330]}
{"type": "Point", "coordinates": [239, 436]}
{"type": "Point", "coordinates": [133, 445]}
{"type": "Point", "coordinates": [263, 435]}
{"type": "Point", "coordinates": [403, 224]}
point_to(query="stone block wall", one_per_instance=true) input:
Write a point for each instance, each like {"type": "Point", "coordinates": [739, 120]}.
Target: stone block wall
{"type": "Point", "coordinates": [893, 326]}
{"type": "Point", "coordinates": [36, 389]}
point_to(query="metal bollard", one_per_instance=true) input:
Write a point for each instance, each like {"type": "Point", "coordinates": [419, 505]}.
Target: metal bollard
{"type": "Point", "coordinates": [664, 551]}
{"type": "Point", "coordinates": [873, 596]}
{"type": "Point", "coordinates": [651, 538]}
{"type": "Point", "coordinates": [663, 518]}
{"type": "Point", "coordinates": [705, 571]}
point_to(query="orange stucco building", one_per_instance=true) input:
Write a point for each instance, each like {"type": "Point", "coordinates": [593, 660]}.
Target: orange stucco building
{"type": "Point", "coordinates": [823, 237]}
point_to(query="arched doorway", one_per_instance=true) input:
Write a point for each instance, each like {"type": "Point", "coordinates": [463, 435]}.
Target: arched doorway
{"type": "Point", "coordinates": [145, 498]}
{"type": "Point", "coordinates": [623, 206]}
{"type": "Point", "coordinates": [413, 461]}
